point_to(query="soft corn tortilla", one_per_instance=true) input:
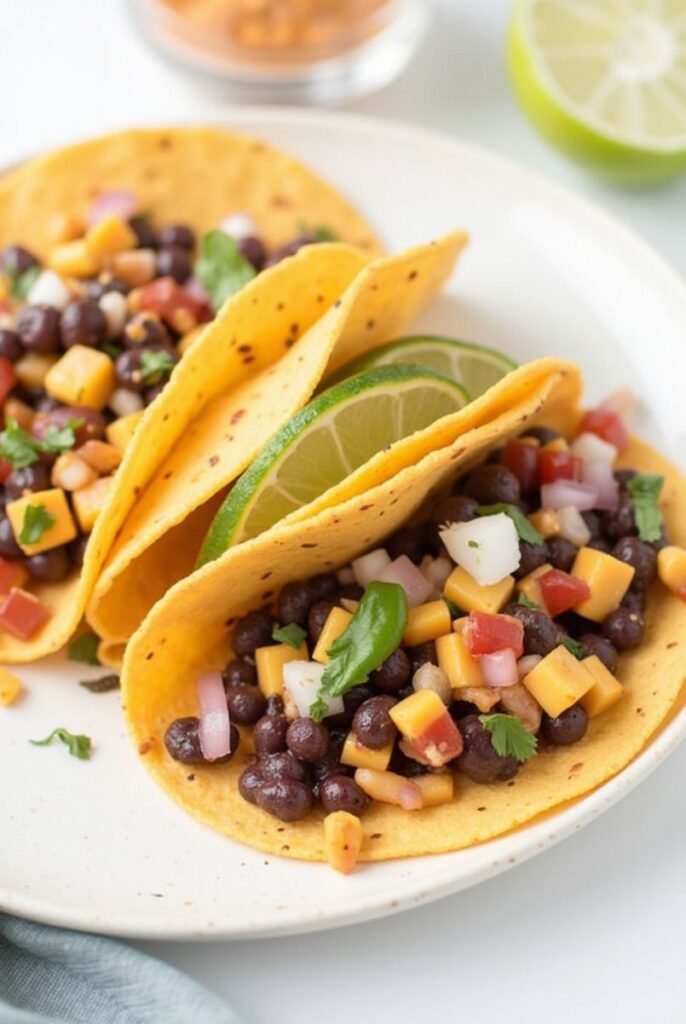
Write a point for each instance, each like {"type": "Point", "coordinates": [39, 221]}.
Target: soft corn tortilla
{"type": "Point", "coordinates": [187, 633]}
{"type": "Point", "coordinates": [161, 538]}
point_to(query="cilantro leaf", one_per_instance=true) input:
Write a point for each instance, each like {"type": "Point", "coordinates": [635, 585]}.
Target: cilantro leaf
{"type": "Point", "coordinates": [37, 520]}
{"type": "Point", "coordinates": [573, 646]}
{"type": "Point", "coordinates": [473, 544]}
{"type": "Point", "coordinates": [102, 685]}
{"type": "Point", "coordinates": [21, 282]}
{"type": "Point", "coordinates": [645, 489]}
{"type": "Point", "coordinates": [113, 351]}
{"type": "Point", "coordinates": [292, 634]}
{"type": "Point", "coordinates": [221, 269]}
{"type": "Point", "coordinates": [155, 365]}
{"type": "Point", "coordinates": [509, 737]}
{"type": "Point", "coordinates": [526, 602]}
{"type": "Point", "coordinates": [18, 447]}
{"type": "Point", "coordinates": [84, 649]}
{"type": "Point", "coordinates": [455, 611]}
{"type": "Point", "coordinates": [322, 233]}
{"type": "Point", "coordinates": [77, 744]}
{"type": "Point", "coordinates": [525, 529]}
{"type": "Point", "coordinates": [59, 440]}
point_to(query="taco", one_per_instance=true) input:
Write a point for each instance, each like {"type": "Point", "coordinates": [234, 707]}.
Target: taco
{"type": "Point", "coordinates": [436, 660]}
{"type": "Point", "coordinates": [101, 292]}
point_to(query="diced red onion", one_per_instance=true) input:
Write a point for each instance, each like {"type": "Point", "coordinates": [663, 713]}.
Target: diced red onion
{"type": "Point", "coordinates": [408, 796]}
{"type": "Point", "coordinates": [370, 566]}
{"type": "Point", "coordinates": [215, 726]}
{"type": "Point", "coordinates": [527, 663]}
{"type": "Point", "coordinates": [302, 679]}
{"type": "Point", "coordinates": [622, 402]}
{"type": "Point", "coordinates": [119, 201]}
{"type": "Point", "coordinates": [196, 291]}
{"type": "Point", "coordinates": [405, 573]}
{"type": "Point", "coordinates": [573, 526]}
{"type": "Point", "coordinates": [500, 668]}
{"type": "Point", "coordinates": [563, 493]}
{"type": "Point", "coordinates": [239, 226]}
{"type": "Point", "coordinates": [590, 446]}
{"type": "Point", "coordinates": [599, 476]}
{"type": "Point", "coordinates": [486, 548]}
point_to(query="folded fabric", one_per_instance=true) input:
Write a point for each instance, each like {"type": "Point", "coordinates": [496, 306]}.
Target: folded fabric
{"type": "Point", "coordinates": [50, 975]}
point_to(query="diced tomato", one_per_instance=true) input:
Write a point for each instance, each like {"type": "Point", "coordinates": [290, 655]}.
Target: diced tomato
{"type": "Point", "coordinates": [554, 466]}
{"type": "Point", "coordinates": [12, 574]}
{"type": "Point", "coordinates": [5, 469]}
{"type": "Point", "coordinates": [165, 297]}
{"type": "Point", "coordinates": [522, 460]}
{"type": "Point", "coordinates": [606, 424]}
{"type": "Point", "coordinates": [8, 378]}
{"type": "Point", "coordinates": [22, 614]}
{"type": "Point", "coordinates": [5, 306]}
{"type": "Point", "coordinates": [681, 593]}
{"type": "Point", "coordinates": [440, 742]}
{"type": "Point", "coordinates": [560, 591]}
{"type": "Point", "coordinates": [486, 633]}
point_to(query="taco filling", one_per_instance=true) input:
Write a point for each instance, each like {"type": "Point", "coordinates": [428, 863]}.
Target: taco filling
{"type": "Point", "coordinates": [88, 339]}
{"type": "Point", "coordinates": [485, 633]}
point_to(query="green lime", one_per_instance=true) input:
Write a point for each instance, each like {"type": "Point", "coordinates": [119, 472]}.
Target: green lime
{"type": "Point", "coordinates": [605, 82]}
{"type": "Point", "coordinates": [320, 446]}
{"type": "Point", "coordinates": [475, 367]}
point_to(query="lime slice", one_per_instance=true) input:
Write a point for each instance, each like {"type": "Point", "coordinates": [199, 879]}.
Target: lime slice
{"type": "Point", "coordinates": [475, 367]}
{"type": "Point", "coordinates": [336, 433]}
{"type": "Point", "coordinates": [605, 81]}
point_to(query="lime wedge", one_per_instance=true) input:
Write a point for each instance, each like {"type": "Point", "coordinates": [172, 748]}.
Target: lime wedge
{"type": "Point", "coordinates": [475, 367]}
{"type": "Point", "coordinates": [337, 432]}
{"type": "Point", "coordinates": [605, 81]}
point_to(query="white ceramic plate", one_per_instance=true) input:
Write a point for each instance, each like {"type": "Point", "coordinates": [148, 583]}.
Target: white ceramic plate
{"type": "Point", "coordinates": [96, 845]}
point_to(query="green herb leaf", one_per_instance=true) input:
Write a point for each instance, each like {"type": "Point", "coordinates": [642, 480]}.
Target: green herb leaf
{"type": "Point", "coordinates": [18, 447]}
{"type": "Point", "coordinates": [526, 602]}
{"type": "Point", "coordinates": [509, 737]}
{"type": "Point", "coordinates": [78, 745]}
{"type": "Point", "coordinates": [473, 544]}
{"type": "Point", "coordinates": [102, 685]}
{"type": "Point", "coordinates": [37, 520]}
{"type": "Point", "coordinates": [645, 490]}
{"type": "Point", "coordinates": [573, 646]}
{"type": "Point", "coordinates": [322, 232]}
{"type": "Point", "coordinates": [113, 351]}
{"type": "Point", "coordinates": [155, 365]}
{"type": "Point", "coordinates": [22, 283]}
{"type": "Point", "coordinates": [455, 611]}
{"type": "Point", "coordinates": [59, 440]}
{"type": "Point", "coordinates": [373, 633]}
{"type": "Point", "coordinates": [84, 649]}
{"type": "Point", "coordinates": [292, 634]}
{"type": "Point", "coordinates": [221, 269]}
{"type": "Point", "coordinates": [525, 529]}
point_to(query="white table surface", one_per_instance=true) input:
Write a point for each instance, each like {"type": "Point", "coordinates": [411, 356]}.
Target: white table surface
{"type": "Point", "coordinates": [593, 929]}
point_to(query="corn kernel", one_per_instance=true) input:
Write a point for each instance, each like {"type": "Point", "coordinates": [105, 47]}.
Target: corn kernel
{"type": "Point", "coordinates": [65, 227]}
{"type": "Point", "coordinates": [426, 622]}
{"type": "Point", "coordinates": [136, 267]}
{"type": "Point", "coordinates": [390, 788]}
{"type": "Point", "coordinates": [606, 689]}
{"type": "Point", "coordinates": [357, 755]}
{"type": "Point", "coordinates": [671, 567]}
{"type": "Point", "coordinates": [343, 840]}
{"type": "Point", "coordinates": [270, 662]}
{"type": "Point", "coordinates": [71, 473]}
{"type": "Point", "coordinates": [120, 431]}
{"type": "Point", "coordinates": [558, 681]}
{"type": "Point", "coordinates": [608, 579]}
{"type": "Point", "coordinates": [108, 236]}
{"type": "Point", "coordinates": [413, 715]}
{"type": "Point", "coordinates": [83, 376]}
{"type": "Point", "coordinates": [466, 593]}
{"type": "Point", "coordinates": [557, 445]}
{"type": "Point", "coordinates": [456, 661]}
{"type": "Point", "coordinates": [89, 501]}
{"type": "Point", "coordinates": [337, 622]}
{"type": "Point", "coordinates": [54, 503]}
{"type": "Point", "coordinates": [33, 368]}
{"type": "Point", "coordinates": [73, 259]}
{"type": "Point", "coordinates": [546, 522]}
{"type": "Point", "coordinates": [436, 788]}
{"type": "Point", "coordinates": [10, 687]}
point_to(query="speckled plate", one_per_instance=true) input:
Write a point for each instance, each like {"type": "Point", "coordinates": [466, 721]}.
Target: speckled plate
{"type": "Point", "coordinates": [96, 845]}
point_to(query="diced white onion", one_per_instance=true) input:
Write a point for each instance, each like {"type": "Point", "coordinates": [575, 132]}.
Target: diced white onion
{"type": "Point", "coordinates": [572, 526]}
{"type": "Point", "coordinates": [239, 226]}
{"type": "Point", "coordinates": [345, 576]}
{"type": "Point", "coordinates": [590, 446]}
{"type": "Point", "coordinates": [302, 679]}
{"type": "Point", "coordinates": [563, 493]}
{"type": "Point", "coordinates": [7, 321]}
{"type": "Point", "coordinates": [622, 402]}
{"type": "Point", "coordinates": [49, 290]}
{"type": "Point", "coordinates": [599, 475]}
{"type": "Point", "coordinates": [431, 677]}
{"type": "Point", "coordinates": [486, 548]}
{"type": "Point", "coordinates": [437, 571]}
{"type": "Point", "coordinates": [406, 574]}
{"type": "Point", "coordinates": [123, 402]}
{"type": "Point", "coordinates": [119, 201]}
{"type": "Point", "coordinates": [370, 566]}
{"type": "Point", "coordinates": [527, 664]}
{"type": "Point", "coordinates": [215, 726]}
{"type": "Point", "coordinates": [499, 668]}
{"type": "Point", "coordinates": [114, 309]}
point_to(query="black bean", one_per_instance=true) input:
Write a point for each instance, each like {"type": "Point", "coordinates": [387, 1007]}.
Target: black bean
{"type": "Point", "coordinates": [174, 262]}
{"type": "Point", "coordinates": [571, 624]}
{"type": "Point", "coordinates": [600, 544]}
{"type": "Point", "coordinates": [38, 328]}
{"type": "Point", "coordinates": [543, 434]}
{"type": "Point", "coordinates": [318, 614]}
{"type": "Point", "coordinates": [634, 600]}
{"type": "Point", "coordinates": [351, 702]}
{"type": "Point", "coordinates": [92, 426]}
{"type": "Point", "coordinates": [323, 585]}
{"type": "Point", "coordinates": [239, 673]}
{"type": "Point", "coordinates": [253, 250]}
{"type": "Point", "coordinates": [150, 394]}
{"type": "Point", "coordinates": [77, 550]}
{"type": "Point", "coordinates": [624, 628]}
{"type": "Point", "coordinates": [541, 633]}
{"type": "Point", "coordinates": [285, 799]}
{"type": "Point", "coordinates": [455, 509]}
{"type": "Point", "coordinates": [401, 764]}
{"type": "Point", "coordinates": [602, 648]}
{"type": "Point", "coordinates": [106, 283]}
{"type": "Point", "coordinates": [8, 544]}
{"type": "Point", "coordinates": [269, 734]}
{"type": "Point", "coordinates": [641, 556]}
{"type": "Point", "coordinates": [27, 481]}
{"type": "Point", "coordinates": [249, 783]}
{"type": "Point", "coordinates": [83, 323]}
{"type": "Point", "coordinates": [372, 724]}
{"type": "Point", "coordinates": [422, 654]}
{"type": "Point", "coordinates": [51, 566]}
{"type": "Point", "coordinates": [410, 541]}
{"type": "Point", "coordinates": [182, 741]}
{"type": "Point", "coordinates": [531, 557]}
{"type": "Point", "coordinates": [491, 484]}
{"type": "Point", "coordinates": [567, 728]}
{"type": "Point", "coordinates": [146, 236]}
{"type": "Point", "coordinates": [330, 764]}
{"type": "Point", "coordinates": [307, 739]}
{"type": "Point", "coordinates": [145, 329]}
{"type": "Point", "coordinates": [340, 793]}
{"type": "Point", "coordinates": [283, 765]}
{"type": "Point", "coordinates": [293, 603]}
{"type": "Point", "coordinates": [15, 259]}
{"type": "Point", "coordinates": [10, 346]}
{"type": "Point", "coordinates": [291, 248]}
{"type": "Point", "coordinates": [624, 477]}
{"type": "Point", "coordinates": [561, 553]}
{"type": "Point", "coordinates": [129, 366]}
{"type": "Point", "coordinates": [177, 234]}
{"type": "Point", "coordinates": [254, 630]}
{"type": "Point", "coordinates": [394, 673]}
{"type": "Point", "coordinates": [620, 523]}
{"type": "Point", "coordinates": [479, 760]}
{"type": "Point", "coordinates": [592, 520]}
{"type": "Point", "coordinates": [350, 591]}
{"type": "Point", "coordinates": [275, 705]}
{"type": "Point", "coordinates": [245, 703]}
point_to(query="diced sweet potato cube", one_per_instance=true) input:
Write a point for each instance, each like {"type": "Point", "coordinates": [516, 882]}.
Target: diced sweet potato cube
{"type": "Point", "coordinates": [546, 522]}
{"type": "Point", "coordinates": [55, 505]}
{"type": "Point", "coordinates": [33, 368]}
{"type": "Point", "coordinates": [423, 720]}
{"type": "Point", "coordinates": [10, 687]}
{"type": "Point", "coordinates": [558, 681]}
{"type": "Point", "coordinates": [456, 661]}
{"type": "Point", "coordinates": [83, 376]}
{"type": "Point", "coordinates": [121, 430]}
{"type": "Point", "coordinates": [671, 567]}
{"type": "Point", "coordinates": [426, 622]}
{"type": "Point", "coordinates": [608, 579]}
{"type": "Point", "coordinates": [436, 788]}
{"type": "Point", "coordinates": [337, 622]}
{"type": "Point", "coordinates": [109, 235]}
{"type": "Point", "coordinates": [343, 840]}
{"type": "Point", "coordinates": [529, 585]}
{"type": "Point", "coordinates": [270, 662]}
{"type": "Point", "coordinates": [73, 259]}
{"type": "Point", "coordinates": [466, 593]}
{"type": "Point", "coordinates": [357, 755]}
{"type": "Point", "coordinates": [606, 689]}
{"type": "Point", "coordinates": [89, 501]}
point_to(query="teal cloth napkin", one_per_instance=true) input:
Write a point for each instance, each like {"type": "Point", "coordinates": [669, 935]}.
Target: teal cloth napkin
{"type": "Point", "coordinates": [48, 975]}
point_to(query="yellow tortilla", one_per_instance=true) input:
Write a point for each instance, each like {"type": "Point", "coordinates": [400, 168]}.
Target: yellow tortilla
{"type": "Point", "coordinates": [161, 538]}
{"type": "Point", "coordinates": [187, 633]}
